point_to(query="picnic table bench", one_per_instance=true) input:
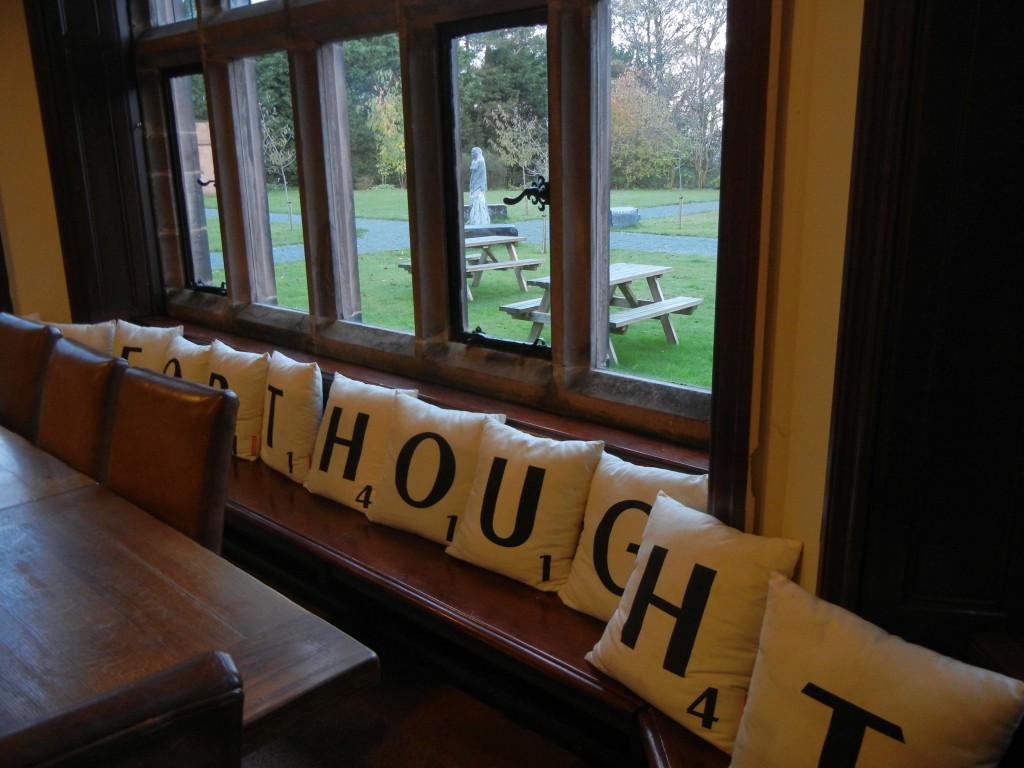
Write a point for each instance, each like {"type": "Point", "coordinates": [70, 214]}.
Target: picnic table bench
{"type": "Point", "coordinates": [620, 276]}
{"type": "Point", "coordinates": [486, 259]}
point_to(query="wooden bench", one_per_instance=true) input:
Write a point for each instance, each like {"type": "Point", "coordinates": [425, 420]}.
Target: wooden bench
{"type": "Point", "coordinates": [620, 321]}
{"type": "Point", "coordinates": [517, 648]}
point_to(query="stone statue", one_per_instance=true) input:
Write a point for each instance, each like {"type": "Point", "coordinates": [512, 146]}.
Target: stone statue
{"type": "Point", "coordinates": [479, 214]}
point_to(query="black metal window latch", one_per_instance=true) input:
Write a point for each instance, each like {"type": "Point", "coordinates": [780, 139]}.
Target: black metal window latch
{"type": "Point", "coordinates": [538, 194]}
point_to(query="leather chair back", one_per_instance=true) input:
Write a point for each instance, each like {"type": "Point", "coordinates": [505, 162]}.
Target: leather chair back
{"type": "Point", "coordinates": [24, 350]}
{"type": "Point", "coordinates": [187, 715]}
{"type": "Point", "coordinates": [170, 448]}
{"type": "Point", "coordinates": [77, 406]}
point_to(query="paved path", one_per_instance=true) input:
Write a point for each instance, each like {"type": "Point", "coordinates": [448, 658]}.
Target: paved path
{"type": "Point", "coordinates": [387, 235]}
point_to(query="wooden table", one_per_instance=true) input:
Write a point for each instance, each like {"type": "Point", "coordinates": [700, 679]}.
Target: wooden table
{"type": "Point", "coordinates": [27, 473]}
{"type": "Point", "coordinates": [95, 593]}
{"type": "Point", "coordinates": [621, 275]}
{"type": "Point", "coordinates": [486, 260]}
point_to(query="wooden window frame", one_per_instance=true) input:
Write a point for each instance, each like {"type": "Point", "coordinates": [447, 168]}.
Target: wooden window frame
{"type": "Point", "coordinates": [570, 382]}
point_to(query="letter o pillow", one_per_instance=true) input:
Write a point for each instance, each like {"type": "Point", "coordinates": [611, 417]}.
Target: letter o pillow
{"type": "Point", "coordinates": [429, 470]}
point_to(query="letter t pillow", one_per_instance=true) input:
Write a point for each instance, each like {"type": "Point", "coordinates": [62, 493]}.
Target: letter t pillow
{"type": "Point", "coordinates": [292, 408]}
{"type": "Point", "coordinates": [684, 636]}
{"type": "Point", "coordinates": [831, 689]}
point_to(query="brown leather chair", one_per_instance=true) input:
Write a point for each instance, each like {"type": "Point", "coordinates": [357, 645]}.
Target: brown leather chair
{"type": "Point", "coordinates": [187, 715]}
{"type": "Point", "coordinates": [78, 404]}
{"type": "Point", "coordinates": [24, 351]}
{"type": "Point", "coordinates": [170, 447]}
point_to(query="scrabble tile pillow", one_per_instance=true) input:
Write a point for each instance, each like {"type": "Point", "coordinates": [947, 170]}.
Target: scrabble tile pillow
{"type": "Point", "coordinates": [684, 636]}
{"type": "Point", "coordinates": [832, 689]}
{"type": "Point", "coordinates": [144, 346]}
{"type": "Point", "coordinates": [429, 469]}
{"type": "Point", "coordinates": [97, 336]}
{"type": "Point", "coordinates": [352, 442]}
{"type": "Point", "coordinates": [245, 374]}
{"type": "Point", "coordinates": [292, 407]}
{"type": "Point", "coordinates": [187, 360]}
{"type": "Point", "coordinates": [525, 508]}
{"type": "Point", "coordinates": [621, 495]}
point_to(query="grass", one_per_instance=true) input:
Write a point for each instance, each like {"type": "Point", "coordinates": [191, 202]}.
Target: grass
{"type": "Point", "coordinates": [642, 351]}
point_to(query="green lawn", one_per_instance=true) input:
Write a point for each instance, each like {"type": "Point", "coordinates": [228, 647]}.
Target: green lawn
{"type": "Point", "coordinates": [642, 351]}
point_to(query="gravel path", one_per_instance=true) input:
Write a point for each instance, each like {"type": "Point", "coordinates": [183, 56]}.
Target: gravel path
{"type": "Point", "coordinates": [387, 235]}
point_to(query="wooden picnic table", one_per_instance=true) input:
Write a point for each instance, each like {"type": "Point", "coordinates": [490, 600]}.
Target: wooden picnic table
{"type": "Point", "coordinates": [621, 275]}
{"type": "Point", "coordinates": [486, 259]}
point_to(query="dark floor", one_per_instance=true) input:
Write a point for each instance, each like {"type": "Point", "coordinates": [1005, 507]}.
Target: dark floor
{"type": "Point", "coordinates": [412, 720]}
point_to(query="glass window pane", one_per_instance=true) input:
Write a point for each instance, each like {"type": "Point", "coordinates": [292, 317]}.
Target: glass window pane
{"type": "Point", "coordinates": [667, 75]}
{"type": "Point", "coordinates": [281, 279]}
{"type": "Point", "coordinates": [502, 103]}
{"type": "Point", "coordinates": [366, 129]}
{"type": "Point", "coordinates": [169, 11]}
{"type": "Point", "coordinates": [196, 177]}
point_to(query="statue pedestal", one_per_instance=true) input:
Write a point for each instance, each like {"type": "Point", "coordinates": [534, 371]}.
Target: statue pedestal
{"type": "Point", "coordinates": [491, 230]}
{"type": "Point", "coordinates": [496, 210]}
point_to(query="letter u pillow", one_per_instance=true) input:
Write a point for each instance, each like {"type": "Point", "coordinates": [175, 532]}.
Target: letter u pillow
{"type": "Point", "coordinates": [525, 509]}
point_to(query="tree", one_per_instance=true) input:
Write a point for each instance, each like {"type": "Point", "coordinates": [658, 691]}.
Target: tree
{"type": "Point", "coordinates": [643, 136]}
{"type": "Point", "coordinates": [519, 140]}
{"type": "Point", "coordinates": [506, 69]}
{"type": "Point", "coordinates": [278, 144]}
{"type": "Point", "coordinates": [701, 85]}
{"type": "Point", "coordinates": [384, 115]}
{"type": "Point", "coordinates": [677, 50]}
{"type": "Point", "coordinates": [649, 32]}
{"type": "Point", "coordinates": [365, 58]}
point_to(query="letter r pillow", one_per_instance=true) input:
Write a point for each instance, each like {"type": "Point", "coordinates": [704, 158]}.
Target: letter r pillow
{"type": "Point", "coordinates": [684, 636]}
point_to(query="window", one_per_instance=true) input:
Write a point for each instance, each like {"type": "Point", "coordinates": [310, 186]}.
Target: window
{"type": "Point", "coordinates": [500, 109]}
{"type": "Point", "coordinates": [666, 93]}
{"type": "Point", "coordinates": [359, 160]}
{"type": "Point", "coordinates": [267, 155]}
{"type": "Point", "coordinates": [170, 11]}
{"type": "Point", "coordinates": [364, 140]}
{"type": "Point", "coordinates": [198, 195]}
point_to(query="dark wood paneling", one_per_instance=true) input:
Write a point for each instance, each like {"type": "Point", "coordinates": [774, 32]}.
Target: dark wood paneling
{"type": "Point", "coordinates": [81, 51]}
{"type": "Point", "coordinates": [6, 303]}
{"type": "Point", "coordinates": [739, 236]}
{"type": "Point", "coordinates": [924, 533]}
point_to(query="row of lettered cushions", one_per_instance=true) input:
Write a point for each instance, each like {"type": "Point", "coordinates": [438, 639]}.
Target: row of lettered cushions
{"type": "Point", "coordinates": [702, 620]}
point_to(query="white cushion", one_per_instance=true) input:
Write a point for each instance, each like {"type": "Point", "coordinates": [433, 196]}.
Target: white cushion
{"type": "Point", "coordinates": [352, 442]}
{"type": "Point", "coordinates": [143, 346]}
{"type": "Point", "coordinates": [823, 672]}
{"type": "Point", "coordinates": [525, 508]}
{"type": "Point", "coordinates": [187, 360]}
{"type": "Point", "coordinates": [684, 636]}
{"type": "Point", "coordinates": [429, 470]}
{"type": "Point", "coordinates": [98, 336]}
{"type": "Point", "coordinates": [621, 495]}
{"type": "Point", "coordinates": [245, 374]}
{"type": "Point", "coordinates": [292, 407]}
